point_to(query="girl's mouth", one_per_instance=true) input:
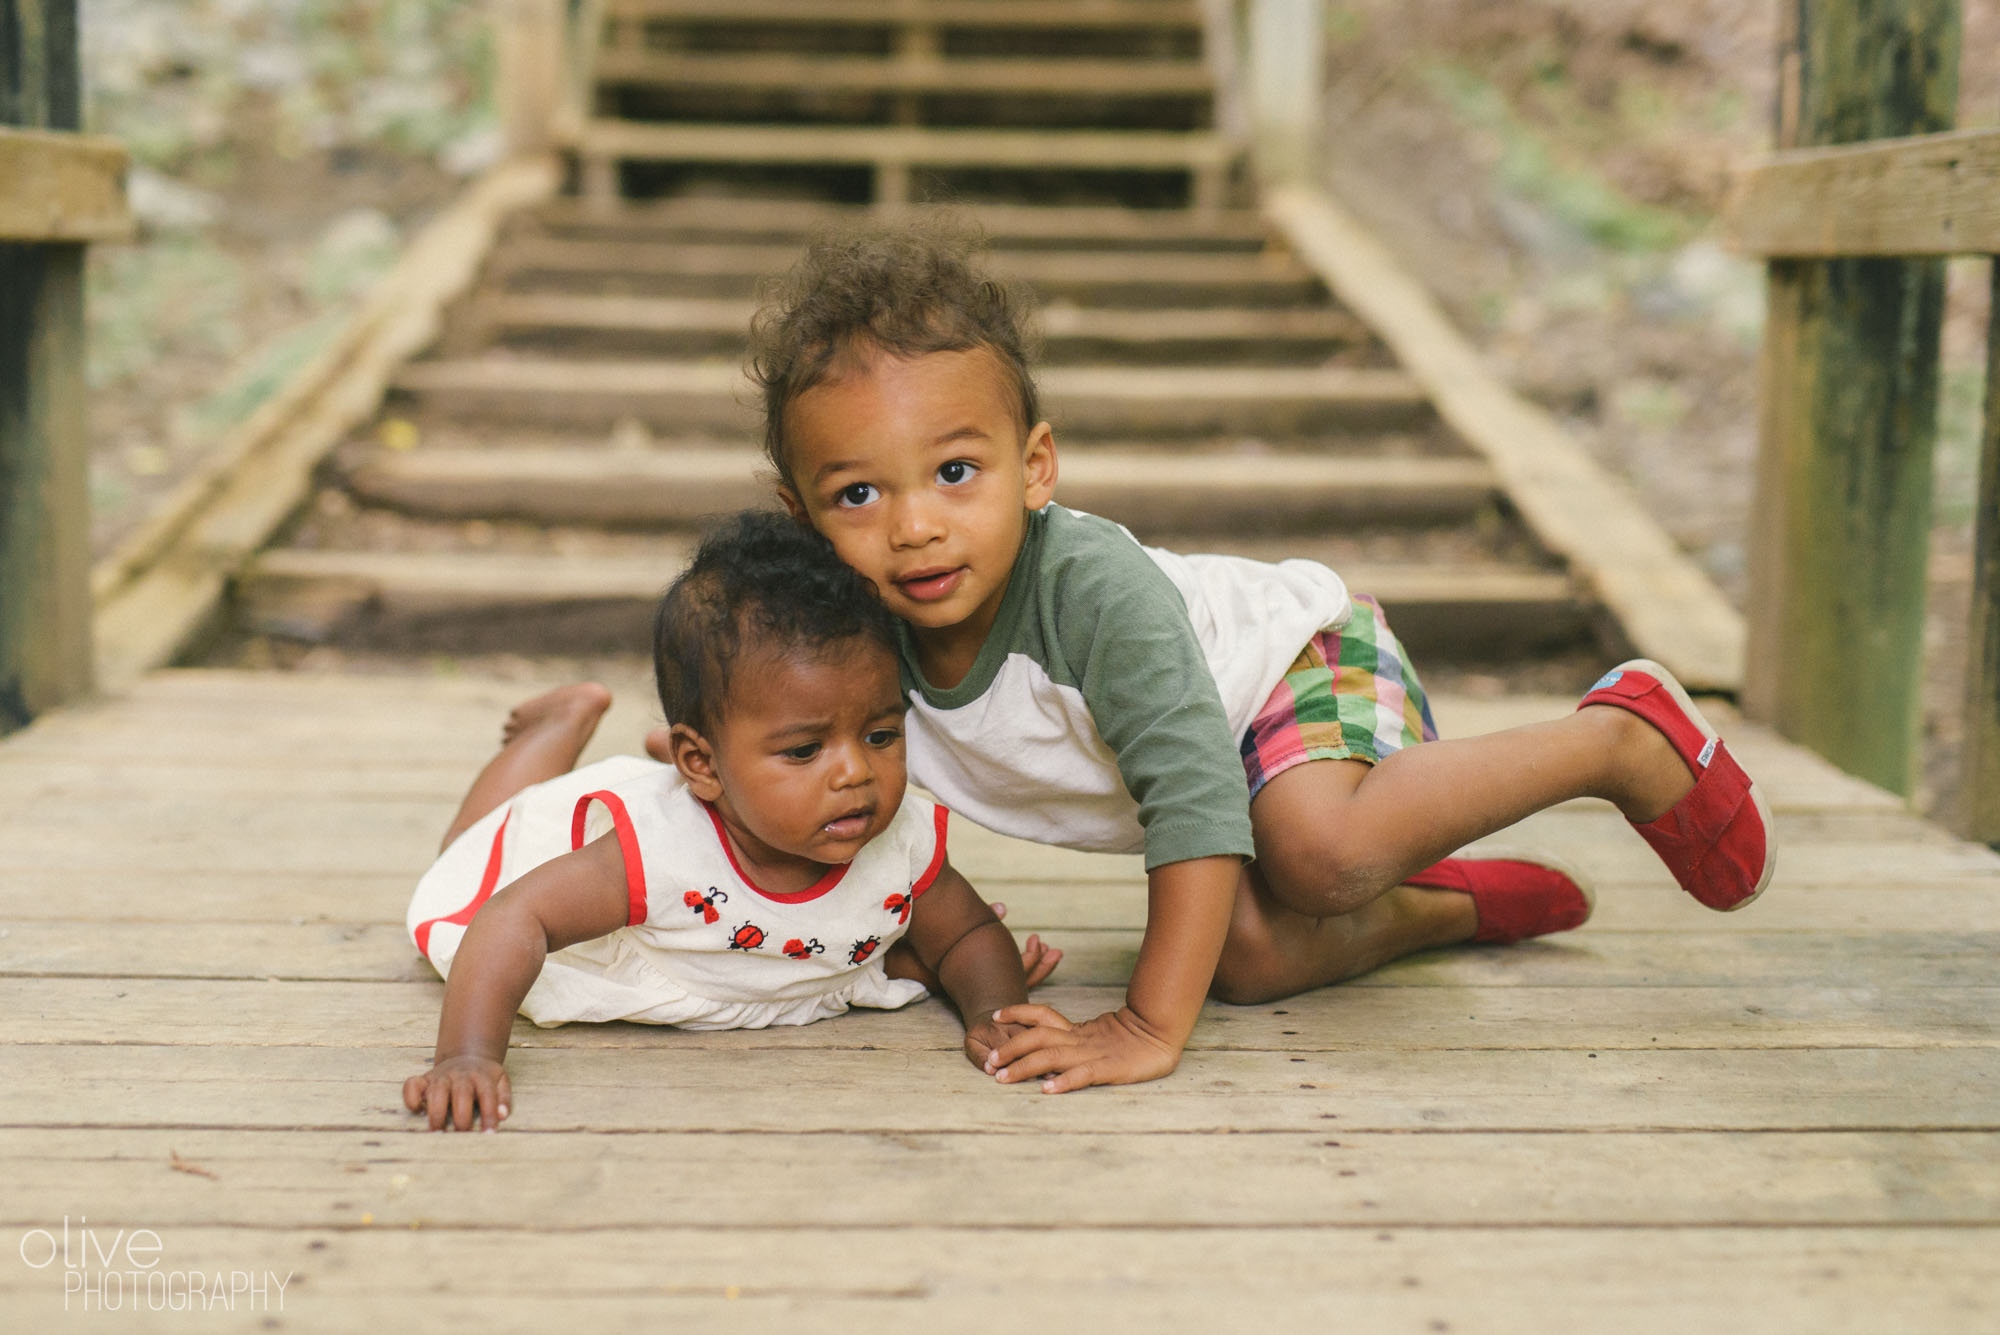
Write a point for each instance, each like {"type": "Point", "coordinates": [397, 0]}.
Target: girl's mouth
{"type": "Point", "coordinates": [851, 826]}
{"type": "Point", "coordinates": [928, 586]}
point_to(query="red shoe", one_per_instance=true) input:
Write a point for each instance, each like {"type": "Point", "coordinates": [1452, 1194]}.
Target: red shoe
{"type": "Point", "coordinates": [1515, 897]}
{"type": "Point", "coordinates": [1716, 840]}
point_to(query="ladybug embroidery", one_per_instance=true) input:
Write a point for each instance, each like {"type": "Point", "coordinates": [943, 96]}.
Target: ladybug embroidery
{"type": "Point", "coordinates": [804, 950]}
{"type": "Point", "coordinates": [900, 905]}
{"type": "Point", "coordinates": [863, 949]}
{"type": "Point", "coordinates": [747, 937]}
{"type": "Point", "coordinates": [705, 904]}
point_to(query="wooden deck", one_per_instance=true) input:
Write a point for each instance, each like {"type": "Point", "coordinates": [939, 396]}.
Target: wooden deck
{"type": "Point", "coordinates": [1672, 1120]}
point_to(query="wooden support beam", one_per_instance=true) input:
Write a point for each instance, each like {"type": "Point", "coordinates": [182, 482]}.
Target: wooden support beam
{"type": "Point", "coordinates": [1979, 803]}
{"type": "Point", "coordinates": [531, 45]}
{"type": "Point", "coordinates": [62, 187]}
{"type": "Point", "coordinates": [45, 645]}
{"type": "Point", "coordinates": [1849, 408]}
{"type": "Point", "coordinates": [1933, 194]}
{"type": "Point", "coordinates": [1285, 86]}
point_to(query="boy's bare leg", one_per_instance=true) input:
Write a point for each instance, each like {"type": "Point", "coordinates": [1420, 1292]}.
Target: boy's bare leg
{"type": "Point", "coordinates": [1333, 835]}
{"type": "Point", "coordinates": [1273, 951]}
{"type": "Point", "coordinates": [541, 739]}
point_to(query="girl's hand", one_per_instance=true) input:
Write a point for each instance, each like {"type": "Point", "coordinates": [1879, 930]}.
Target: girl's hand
{"type": "Point", "coordinates": [461, 1090]}
{"type": "Point", "coordinates": [985, 1036]}
{"type": "Point", "coordinates": [1116, 1048]}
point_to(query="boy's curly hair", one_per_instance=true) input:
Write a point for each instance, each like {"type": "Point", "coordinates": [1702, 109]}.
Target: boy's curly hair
{"type": "Point", "coordinates": [908, 289]}
{"type": "Point", "coordinates": [760, 583]}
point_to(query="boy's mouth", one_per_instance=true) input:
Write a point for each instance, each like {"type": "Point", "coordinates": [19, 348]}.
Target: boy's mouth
{"type": "Point", "coordinates": [928, 586]}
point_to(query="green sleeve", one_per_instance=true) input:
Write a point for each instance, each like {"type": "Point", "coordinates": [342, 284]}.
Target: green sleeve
{"type": "Point", "coordinates": [1124, 641]}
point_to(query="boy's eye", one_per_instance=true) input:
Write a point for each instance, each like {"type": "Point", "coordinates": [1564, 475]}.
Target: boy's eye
{"type": "Point", "coordinates": [855, 494]}
{"type": "Point", "coordinates": [885, 737]}
{"type": "Point", "coordinates": [955, 472]}
{"type": "Point", "coordinates": [805, 751]}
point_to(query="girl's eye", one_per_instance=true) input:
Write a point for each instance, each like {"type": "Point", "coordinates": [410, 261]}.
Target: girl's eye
{"type": "Point", "coordinates": [884, 737]}
{"type": "Point", "coordinates": [955, 472]}
{"type": "Point", "coordinates": [855, 494]}
{"type": "Point", "coordinates": [805, 752]}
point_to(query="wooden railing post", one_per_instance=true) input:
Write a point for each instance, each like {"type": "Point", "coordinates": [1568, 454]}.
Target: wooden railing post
{"type": "Point", "coordinates": [1849, 404]}
{"type": "Point", "coordinates": [1979, 774]}
{"type": "Point", "coordinates": [1284, 87]}
{"type": "Point", "coordinates": [532, 71]}
{"type": "Point", "coordinates": [45, 608]}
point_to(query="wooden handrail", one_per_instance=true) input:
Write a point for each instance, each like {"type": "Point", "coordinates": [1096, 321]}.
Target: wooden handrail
{"type": "Point", "coordinates": [61, 187]}
{"type": "Point", "coordinates": [1930, 194]}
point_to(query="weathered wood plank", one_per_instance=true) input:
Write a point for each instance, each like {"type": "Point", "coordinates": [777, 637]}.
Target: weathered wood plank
{"type": "Point", "coordinates": [268, 1013]}
{"type": "Point", "coordinates": [911, 1280]}
{"type": "Point", "coordinates": [1662, 600]}
{"type": "Point", "coordinates": [566, 1181]}
{"type": "Point", "coordinates": [786, 72]}
{"type": "Point", "coordinates": [1929, 194]}
{"type": "Point", "coordinates": [1143, 14]}
{"type": "Point", "coordinates": [1848, 417]}
{"type": "Point", "coordinates": [62, 187]}
{"type": "Point", "coordinates": [357, 947]}
{"type": "Point", "coordinates": [671, 1085]}
{"type": "Point", "coordinates": [1106, 150]}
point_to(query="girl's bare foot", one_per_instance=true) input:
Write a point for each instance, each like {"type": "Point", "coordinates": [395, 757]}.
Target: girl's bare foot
{"type": "Point", "coordinates": [660, 745]}
{"type": "Point", "coordinates": [573, 709]}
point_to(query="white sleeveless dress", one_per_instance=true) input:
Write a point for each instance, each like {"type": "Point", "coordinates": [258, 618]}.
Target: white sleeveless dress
{"type": "Point", "coordinates": [703, 946]}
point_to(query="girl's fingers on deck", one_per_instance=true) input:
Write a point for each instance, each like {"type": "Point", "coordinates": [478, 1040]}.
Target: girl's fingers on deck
{"type": "Point", "coordinates": [1033, 1012]}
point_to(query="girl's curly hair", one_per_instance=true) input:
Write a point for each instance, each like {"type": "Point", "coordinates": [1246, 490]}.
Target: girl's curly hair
{"type": "Point", "coordinates": [907, 289]}
{"type": "Point", "coordinates": [761, 583]}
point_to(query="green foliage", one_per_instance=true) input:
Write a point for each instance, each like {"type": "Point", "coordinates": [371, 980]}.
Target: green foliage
{"type": "Point", "coordinates": [1572, 192]}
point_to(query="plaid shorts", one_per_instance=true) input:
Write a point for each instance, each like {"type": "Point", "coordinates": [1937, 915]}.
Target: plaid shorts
{"type": "Point", "coordinates": [1350, 695]}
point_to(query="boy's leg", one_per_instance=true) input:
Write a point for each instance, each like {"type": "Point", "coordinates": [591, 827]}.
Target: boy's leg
{"type": "Point", "coordinates": [541, 739]}
{"type": "Point", "coordinates": [1333, 835]}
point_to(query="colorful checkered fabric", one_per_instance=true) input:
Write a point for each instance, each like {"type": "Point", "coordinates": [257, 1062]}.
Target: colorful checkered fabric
{"type": "Point", "coordinates": [1350, 695]}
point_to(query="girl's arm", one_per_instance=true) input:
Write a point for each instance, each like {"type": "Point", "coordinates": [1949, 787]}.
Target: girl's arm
{"type": "Point", "coordinates": [577, 897]}
{"type": "Point", "coordinates": [957, 937]}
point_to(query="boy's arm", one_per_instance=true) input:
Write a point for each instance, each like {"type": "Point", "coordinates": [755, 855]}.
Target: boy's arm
{"type": "Point", "coordinates": [577, 897]}
{"type": "Point", "coordinates": [957, 937]}
{"type": "Point", "coordinates": [1187, 917]}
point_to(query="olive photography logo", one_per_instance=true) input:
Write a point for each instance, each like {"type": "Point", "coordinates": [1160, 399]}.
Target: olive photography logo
{"type": "Point", "coordinates": [125, 1270]}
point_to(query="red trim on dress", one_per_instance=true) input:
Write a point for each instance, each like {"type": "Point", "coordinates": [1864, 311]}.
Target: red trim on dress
{"type": "Point", "coordinates": [813, 891]}
{"type": "Point", "coordinates": [628, 847]}
{"type": "Point", "coordinates": [487, 882]}
{"type": "Point", "coordinates": [938, 818]}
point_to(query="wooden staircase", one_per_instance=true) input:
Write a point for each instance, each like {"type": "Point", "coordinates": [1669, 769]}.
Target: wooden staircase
{"type": "Point", "coordinates": [536, 479]}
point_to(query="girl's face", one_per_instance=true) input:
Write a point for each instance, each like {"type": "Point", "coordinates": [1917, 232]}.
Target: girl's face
{"type": "Point", "coordinates": [916, 469]}
{"type": "Point", "coordinates": [805, 765]}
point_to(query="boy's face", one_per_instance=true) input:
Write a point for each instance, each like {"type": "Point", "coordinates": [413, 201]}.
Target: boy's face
{"type": "Point", "coordinates": [916, 469]}
{"type": "Point", "coordinates": [805, 765]}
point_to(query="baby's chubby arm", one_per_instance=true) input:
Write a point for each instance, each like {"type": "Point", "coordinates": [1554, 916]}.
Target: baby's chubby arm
{"type": "Point", "coordinates": [957, 937]}
{"type": "Point", "coordinates": [577, 897]}
{"type": "Point", "coordinates": [1187, 916]}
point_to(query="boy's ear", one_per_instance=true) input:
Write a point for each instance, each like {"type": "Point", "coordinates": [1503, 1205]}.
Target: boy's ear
{"type": "Point", "coordinates": [695, 759]}
{"type": "Point", "coordinates": [792, 503]}
{"type": "Point", "coordinates": [1038, 462]}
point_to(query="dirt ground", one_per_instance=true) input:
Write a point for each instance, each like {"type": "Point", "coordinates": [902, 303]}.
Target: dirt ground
{"type": "Point", "coordinates": [1553, 167]}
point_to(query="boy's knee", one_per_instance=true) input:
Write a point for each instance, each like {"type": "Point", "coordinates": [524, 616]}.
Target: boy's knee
{"type": "Point", "coordinates": [1247, 973]}
{"type": "Point", "coordinates": [1323, 873]}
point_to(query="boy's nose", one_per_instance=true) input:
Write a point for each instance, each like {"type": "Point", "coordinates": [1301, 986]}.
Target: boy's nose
{"type": "Point", "coordinates": [913, 523]}
{"type": "Point", "coordinates": [850, 767]}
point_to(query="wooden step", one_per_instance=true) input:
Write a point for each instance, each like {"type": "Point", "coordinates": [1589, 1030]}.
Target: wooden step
{"type": "Point", "coordinates": [680, 326]}
{"type": "Point", "coordinates": [529, 602]}
{"type": "Point", "coordinates": [1178, 15]}
{"type": "Point", "coordinates": [810, 75]}
{"type": "Point", "coordinates": [904, 146]}
{"type": "Point", "coordinates": [697, 218]}
{"type": "Point", "coordinates": [1145, 278]}
{"type": "Point", "coordinates": [699, 396]}
{"type": "Point", "coordinates": [1185, 493]}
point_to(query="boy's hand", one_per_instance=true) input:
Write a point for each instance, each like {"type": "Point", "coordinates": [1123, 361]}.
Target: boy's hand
{"type": "Point", "coordinates": [984, 1037]}
{"type": "Point", "coordinates": [1116, 1048]}
{"type": "Point", "coordinates": [461, 1090]}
